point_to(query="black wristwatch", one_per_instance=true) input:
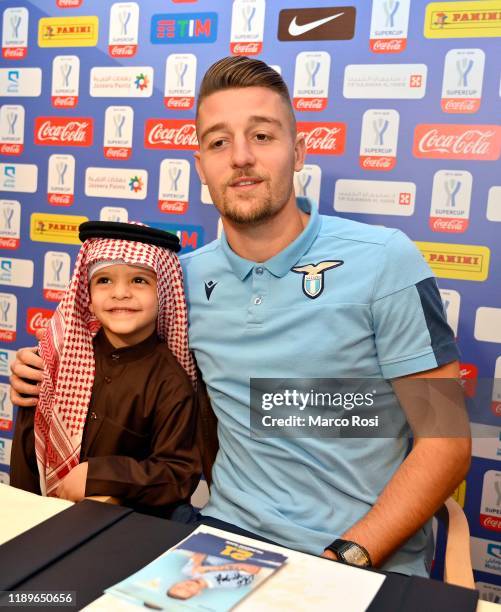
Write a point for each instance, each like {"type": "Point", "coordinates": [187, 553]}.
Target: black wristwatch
{"type": "Point", "coordinates": [350, 553]}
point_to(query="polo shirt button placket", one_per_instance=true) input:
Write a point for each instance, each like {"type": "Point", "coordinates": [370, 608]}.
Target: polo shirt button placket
{"type": "Point", "coordinates": [259, 290]}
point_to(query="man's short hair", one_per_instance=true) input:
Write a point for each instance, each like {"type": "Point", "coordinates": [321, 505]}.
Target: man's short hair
{"type": "Point", "coordinates": [237, 72]}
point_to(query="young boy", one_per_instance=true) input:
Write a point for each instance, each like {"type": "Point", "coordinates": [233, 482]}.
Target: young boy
{"type": "Point", "coordinates": [117, 411]}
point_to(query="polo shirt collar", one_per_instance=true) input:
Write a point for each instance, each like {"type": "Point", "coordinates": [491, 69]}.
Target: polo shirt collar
{"type": "Point", "coordinates": [282, 262]}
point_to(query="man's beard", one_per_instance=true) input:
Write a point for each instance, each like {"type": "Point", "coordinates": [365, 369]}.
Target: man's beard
{"type": "Point", "coordinates": [254, 215]}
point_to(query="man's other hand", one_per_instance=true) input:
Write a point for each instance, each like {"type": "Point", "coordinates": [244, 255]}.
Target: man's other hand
{"type": "Point", "coordinates": [28, 366]}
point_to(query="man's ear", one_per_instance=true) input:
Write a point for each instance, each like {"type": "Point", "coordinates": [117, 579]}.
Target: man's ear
{"type": "Point", "coordinates": [299, 153]}
{"type": "Point", "coordinates": [198, 166]}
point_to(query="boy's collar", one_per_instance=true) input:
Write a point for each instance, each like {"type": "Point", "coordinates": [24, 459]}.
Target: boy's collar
{"type": "Point", "coordinates": [126, 354]}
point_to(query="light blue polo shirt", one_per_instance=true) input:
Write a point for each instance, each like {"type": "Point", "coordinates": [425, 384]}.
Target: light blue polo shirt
{"type": "Point", "coordinates": [377, 313]}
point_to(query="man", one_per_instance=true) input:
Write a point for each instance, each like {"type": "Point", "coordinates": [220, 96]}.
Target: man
{"type": "Point", "coordinates": [374, 311]}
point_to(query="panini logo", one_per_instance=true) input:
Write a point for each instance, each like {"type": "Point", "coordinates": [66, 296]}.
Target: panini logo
{"type": "Point", "coordinates": [463, 19]}
{"type": "Point", "coordinates": [55, 228]}
{"type": "Point", "coordinates": [459, 261]}
{"type": "Point", "coordinates": [68, 31]}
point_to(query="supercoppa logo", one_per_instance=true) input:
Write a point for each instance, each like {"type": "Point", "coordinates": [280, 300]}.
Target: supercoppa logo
{"type": "Point", "coordinates": [64, 131]}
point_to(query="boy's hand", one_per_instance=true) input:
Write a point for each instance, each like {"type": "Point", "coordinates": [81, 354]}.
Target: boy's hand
{"type": "Point", "coordinates": [72, 487]}
{"type": "Point", "coordinates": [29, 366]}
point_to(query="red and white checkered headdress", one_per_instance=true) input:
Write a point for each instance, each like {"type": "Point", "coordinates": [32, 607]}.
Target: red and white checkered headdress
{"type": "Point", "coordinates": [68, 353]}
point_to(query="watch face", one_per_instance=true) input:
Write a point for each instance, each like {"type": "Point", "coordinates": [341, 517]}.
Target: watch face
{"type": "Point", "coordinates": [355, 556]}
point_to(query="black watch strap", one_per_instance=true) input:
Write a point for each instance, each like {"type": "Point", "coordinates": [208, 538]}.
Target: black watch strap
{"type": "Point", "coordinates": [350, 553]}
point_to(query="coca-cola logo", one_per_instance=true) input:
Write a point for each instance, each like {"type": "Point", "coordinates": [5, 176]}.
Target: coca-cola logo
{"type": "Point", "coordinates": [14, 52]}
{"type": "Point", "coordinates": [390, 45]}
{"type": "Point", "coordinates": [11, 149]}
{"type": "Point", "coordinates": [122, 50]}
{"type": "Point", "coordinates": [468, 370]}
{"type": "Point", "coordinates": [9, 243]}
{"type": "Point", "coordinates": [440, 224]}
{"type": "Point", "coordinates": [38, 318]}
{"type": "Point", "coordinates": [479, 142]}
{"type": "Point", "coordinates": [386, 46]}
{"type": "Point", "coordinates": [490, 522]}
{"type": "Point", "coordinates": [170, 134]}
{"type": "Point", "coordinates": [457, 105]}
{"type": "Point", "coordinates": [377, 163]}
{"type": "Point", "coordinates": [249, 48]}
{"type": "Point", "coordinates": [64, 131]}
{"type": "Point", "coordinates": [64, 101]}
{"type": "Point", "coordinates": [323, 138]}
{"type": "Point", "coordinates": [117, 152]}
{"type": "Point", "coordinates": [174, 102]}
{"type": "Point", "coordinates": [313, 104]}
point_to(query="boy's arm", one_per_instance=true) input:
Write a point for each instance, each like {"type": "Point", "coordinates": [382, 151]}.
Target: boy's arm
{"type": "Point", "coordinates": [171, 470]}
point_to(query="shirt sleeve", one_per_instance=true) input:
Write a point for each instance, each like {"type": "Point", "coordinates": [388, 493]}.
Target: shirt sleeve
{"type": "Point", "coordinates": [171, 469]}
{"type": "Point", "coordinates": [23, 463]}
{"type": "Point", "coordinates": [411, 331]}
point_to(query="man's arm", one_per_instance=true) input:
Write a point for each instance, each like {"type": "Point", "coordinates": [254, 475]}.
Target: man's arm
{"type": "Point", "coordinates": [28, 365]}
{"type": "Point", "coordinates": [429, 474]}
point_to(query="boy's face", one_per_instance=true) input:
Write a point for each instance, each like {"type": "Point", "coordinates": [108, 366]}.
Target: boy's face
{"type": "Point", "coordinates": [124, 299]}
{"type": "Point", "coordinates": [248, 153]}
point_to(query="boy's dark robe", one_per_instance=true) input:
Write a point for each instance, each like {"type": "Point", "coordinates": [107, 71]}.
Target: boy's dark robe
{"type": "Point", "coordinates": [142, 434]}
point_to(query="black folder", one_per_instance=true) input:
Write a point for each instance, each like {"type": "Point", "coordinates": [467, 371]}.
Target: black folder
{"type": "Point", "coordinates": [39, 547]}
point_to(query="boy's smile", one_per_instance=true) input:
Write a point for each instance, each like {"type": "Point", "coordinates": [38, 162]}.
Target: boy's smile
{"type": "Point", "coordinates": [124, 300]}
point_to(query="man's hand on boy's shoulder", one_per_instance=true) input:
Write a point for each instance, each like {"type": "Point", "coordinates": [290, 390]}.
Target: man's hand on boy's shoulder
{"type": "Point", "coordinates": [28, 366]}
{"type": "Point", "coordinates": [72, 487]}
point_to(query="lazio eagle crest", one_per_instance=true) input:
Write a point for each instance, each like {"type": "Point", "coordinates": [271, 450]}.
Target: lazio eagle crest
{"type": "Point", "coordinates": [313, 276]}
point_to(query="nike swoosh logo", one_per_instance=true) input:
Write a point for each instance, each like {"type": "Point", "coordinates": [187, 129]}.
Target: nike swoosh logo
{"type": "Point", "coordinates": [297, 30]}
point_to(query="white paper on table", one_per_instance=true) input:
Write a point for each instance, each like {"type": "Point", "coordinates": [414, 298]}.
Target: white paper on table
{"type": "Point", "coordinates": [20, 510]}
{"type": "Point", "coordinates": [304, 583]}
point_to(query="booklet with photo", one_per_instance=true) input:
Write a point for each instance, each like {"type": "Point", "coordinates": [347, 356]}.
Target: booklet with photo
{"type": "Point", "coordinates": [204, 572]}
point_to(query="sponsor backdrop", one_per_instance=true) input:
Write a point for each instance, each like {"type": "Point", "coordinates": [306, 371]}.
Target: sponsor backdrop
{"type": "Point", "coordinates": [398, 101]}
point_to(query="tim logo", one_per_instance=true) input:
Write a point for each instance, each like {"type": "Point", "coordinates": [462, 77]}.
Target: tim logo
{"type": "Point", "coordinates": [178, 28]}
{"type": "Point", "coordinates": [190, 236]}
